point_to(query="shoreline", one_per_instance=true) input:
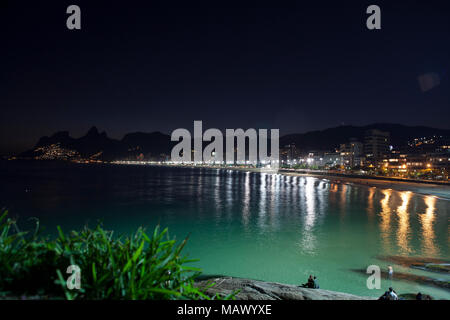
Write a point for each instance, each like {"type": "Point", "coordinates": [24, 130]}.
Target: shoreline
{"type": "Point", "coordinates": [439, 189]}
{"type": "Point", "coordinates": [425, 188]}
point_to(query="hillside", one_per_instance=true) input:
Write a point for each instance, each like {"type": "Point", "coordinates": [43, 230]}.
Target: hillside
{"type": "Point", "coordinates": [152, 145]}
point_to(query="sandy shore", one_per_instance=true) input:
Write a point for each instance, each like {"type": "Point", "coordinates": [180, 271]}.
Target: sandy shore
{"type": "Point", "coordinates": [440, 191]}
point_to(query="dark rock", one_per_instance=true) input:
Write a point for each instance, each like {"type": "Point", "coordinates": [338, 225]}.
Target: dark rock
{"type": "Point", "coordinates": [427, 264]}
{"type": "Point", "coordinates": [409, 261]}
{"type": "Point", "coordinates": [412, 296]}
{"type": "Point", "coordinates": [441, 283]}
{"type": "Point", "coordinates": [260, 290]}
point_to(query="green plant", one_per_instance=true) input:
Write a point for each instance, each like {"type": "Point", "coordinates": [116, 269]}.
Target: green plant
{"type": "Point", "coordinates": [139, 266]}
{"type": "Point", "coordinates": [27, 262]}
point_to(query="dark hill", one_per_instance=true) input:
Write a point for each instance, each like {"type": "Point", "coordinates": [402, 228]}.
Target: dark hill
{"type": "Point", "coordinates": [331, 138]}
{"type": "Point", "coordinates": [152, 145]}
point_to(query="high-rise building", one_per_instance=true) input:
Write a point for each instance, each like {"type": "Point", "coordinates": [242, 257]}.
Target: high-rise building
{"type": "Point", "coordinates": [351, 153]}
{"type": "Point", "coordinates": [289, 153]}
{"type": "Point", "coordinates": [376, 145]}
{"type": "Point", "coordinates": [332, 159]}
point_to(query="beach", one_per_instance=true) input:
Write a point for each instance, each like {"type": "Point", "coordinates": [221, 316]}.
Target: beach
{"type": "Point", "coordinates": [438, 190]}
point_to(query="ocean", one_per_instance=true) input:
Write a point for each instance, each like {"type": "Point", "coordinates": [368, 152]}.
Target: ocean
{"type": "Point", "coordinates": [262, 226]}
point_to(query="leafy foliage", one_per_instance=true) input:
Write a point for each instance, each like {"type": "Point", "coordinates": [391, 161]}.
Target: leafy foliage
{"type": "Point", "coordinates": [139, 266]}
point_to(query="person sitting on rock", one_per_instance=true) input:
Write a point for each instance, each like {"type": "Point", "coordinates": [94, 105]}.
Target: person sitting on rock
{"type": "Point", "coordinates": [310, 283]}
{"type": "Point", "coordinates": [315, 283]}
{"type": "Point", "coordinates": [385, 296]}
{"type": "Point", "coordinates": [392, 294]}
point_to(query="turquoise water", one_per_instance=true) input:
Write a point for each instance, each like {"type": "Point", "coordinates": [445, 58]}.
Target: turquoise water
{"type": "Point", "coordinates": [262, 226]}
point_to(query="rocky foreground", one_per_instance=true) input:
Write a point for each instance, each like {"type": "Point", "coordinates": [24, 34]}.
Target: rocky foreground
{"type": "Point", "coordinates": [260, 290]}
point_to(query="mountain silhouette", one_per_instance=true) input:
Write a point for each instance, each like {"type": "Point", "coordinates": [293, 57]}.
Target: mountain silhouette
{"type": "Point", "coordinates": [154, 143]}
{"type": "Point", "coordinates": [141, 145]}
{"type": "Point", "coordinates": [331, 138]}
{"type": "Point", "coordinates": [90, 145]}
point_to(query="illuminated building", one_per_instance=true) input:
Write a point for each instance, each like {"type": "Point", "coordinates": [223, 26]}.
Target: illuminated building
{"type": "Point", "coordinates": [376, 146]}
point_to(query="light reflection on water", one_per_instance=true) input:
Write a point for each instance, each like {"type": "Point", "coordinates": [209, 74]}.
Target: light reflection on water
{"type": "Point", "coordinates": [385, 223]}
{"type": "Point", "coordinates": [258, 225]}
{"type": "Point", "coordinates": [308, 239]}
{"type": "Point", "coordinates": [370, 204]}
{"type": "Point", "coordinates": [403, 232]}
{"type": "Point", "coordinates": [427, 220]}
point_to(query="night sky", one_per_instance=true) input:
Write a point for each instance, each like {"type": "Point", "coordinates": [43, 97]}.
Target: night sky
{"type": "Point", "coordinates": [160, 65]}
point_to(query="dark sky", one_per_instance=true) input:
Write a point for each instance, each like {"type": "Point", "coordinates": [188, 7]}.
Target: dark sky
{"type": "Point", "coordinates": [160, 65]}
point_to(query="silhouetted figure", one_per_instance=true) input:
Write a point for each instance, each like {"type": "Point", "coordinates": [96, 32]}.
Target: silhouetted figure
{"type": "Point", "coordinates": [389, 295]}
{"type": "Point", "coordinates": [385, 296]}
{"type": "Point", "coordinates": [419, 296]}
{"type": "Point", "coordinates": [390, 272]}
{"type": "Point", "coordinates": [310, 283]}
{"type": "Point", "coordinates": [392, 294]}
{"type": "Point", "coordinates": [315, 283]}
